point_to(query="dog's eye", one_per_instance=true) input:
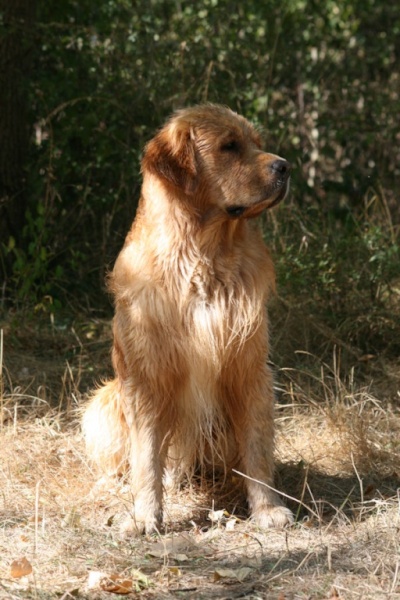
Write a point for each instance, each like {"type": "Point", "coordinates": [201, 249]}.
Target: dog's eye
{"type": "Point", "coordinates": [231, 146]}
{"type": "Point", "coordinates": [235, 211]}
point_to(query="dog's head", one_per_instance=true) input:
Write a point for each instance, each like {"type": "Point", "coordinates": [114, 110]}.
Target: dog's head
{"type": "Point", "coordinates": [214, 157]}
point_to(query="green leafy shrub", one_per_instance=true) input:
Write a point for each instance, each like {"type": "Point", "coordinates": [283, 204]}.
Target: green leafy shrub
{"type": "Point", "coordinates": [340, 277]}
{"type": "Point", "coordinates": [320, 79]}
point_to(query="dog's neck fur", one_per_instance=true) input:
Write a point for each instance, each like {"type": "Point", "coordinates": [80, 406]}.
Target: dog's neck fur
{"type": "Point", "coordinates": [206, 226]}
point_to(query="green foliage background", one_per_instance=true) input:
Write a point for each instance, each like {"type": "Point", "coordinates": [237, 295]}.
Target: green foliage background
{"type": "Point", "coordinates": [321, 78]}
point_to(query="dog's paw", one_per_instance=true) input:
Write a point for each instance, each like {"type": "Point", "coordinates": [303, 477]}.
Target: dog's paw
{"type": "Point", "coordinates": [132, 526]}
{"type": "Point", "coordinates": [273, 517]}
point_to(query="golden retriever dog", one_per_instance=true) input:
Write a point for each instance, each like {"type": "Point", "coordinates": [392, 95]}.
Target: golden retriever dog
{"type": "Point", "coordinates": [192, 384]}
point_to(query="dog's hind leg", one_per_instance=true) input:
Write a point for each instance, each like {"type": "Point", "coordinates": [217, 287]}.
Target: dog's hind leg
{"type": "Point", "coordinates": [148, 446]}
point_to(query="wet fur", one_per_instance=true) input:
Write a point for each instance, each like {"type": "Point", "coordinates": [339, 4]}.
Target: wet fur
{"type": "Point", "coordinates": [192, 385]}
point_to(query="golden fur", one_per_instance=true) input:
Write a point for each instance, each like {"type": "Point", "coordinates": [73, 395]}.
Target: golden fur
{"type": "Point", "coordinates": [190, 350]}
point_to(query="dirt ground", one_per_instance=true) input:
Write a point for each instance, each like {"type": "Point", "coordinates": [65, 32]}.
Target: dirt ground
{"type": "Point", "coordinates": [338, 449]}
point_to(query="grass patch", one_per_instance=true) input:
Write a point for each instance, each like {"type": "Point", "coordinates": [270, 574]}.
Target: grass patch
{"type": "Point", "coordinates": [337, 453]}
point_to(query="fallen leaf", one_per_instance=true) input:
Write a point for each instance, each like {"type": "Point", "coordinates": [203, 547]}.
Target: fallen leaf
{"type": "Point", "coordinates": [180, 557]}
{"type": "Point", "coordinates": [173, 546]}
{"type": "Point", "coordinates": [20, 567]}
{"type": "Point", "coordinates": [115, 584]}
{"type": "Point", "coordinates": [223, 574]}
{"type": "Point", "coordinates": [216, 516]}
{"type": "Point", "coordinates": [254, 562]}
{"type": "Point", "coordinates": [110, 521]}
{"type": "Point", "coordinates": [158, 552]}
{"type": "Point", "coordinates": [141, 580]}
{"type": "Point", "coordinates": [230, 524]}
{"type": "Point", "coordinates": [238, 574]}
{"type": "Point", "coordinates": [242, 573]}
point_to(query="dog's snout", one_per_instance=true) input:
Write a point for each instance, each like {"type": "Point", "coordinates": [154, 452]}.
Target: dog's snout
{"type": "Point", "coordinates": [281, 167]}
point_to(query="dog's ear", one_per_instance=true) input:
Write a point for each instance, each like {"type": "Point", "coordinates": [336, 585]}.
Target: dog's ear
{"type": "Point", "coordinates": [171, 155]}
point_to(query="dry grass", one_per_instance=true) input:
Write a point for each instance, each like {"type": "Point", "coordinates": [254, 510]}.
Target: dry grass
{"type": "Point", "coordinates": [338, 449]}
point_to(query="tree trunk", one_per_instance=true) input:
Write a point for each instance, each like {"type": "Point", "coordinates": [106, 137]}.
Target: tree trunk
{"type": "Point", "coordinates": [16, 32]}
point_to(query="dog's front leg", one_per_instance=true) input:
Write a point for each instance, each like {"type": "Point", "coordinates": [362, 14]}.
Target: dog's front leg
{"type": "Point", "coordinates": [257, 452]}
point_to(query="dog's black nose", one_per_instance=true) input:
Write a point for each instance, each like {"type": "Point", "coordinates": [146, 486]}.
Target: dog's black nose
{"type": "Point", "coordinates": [280, 166]}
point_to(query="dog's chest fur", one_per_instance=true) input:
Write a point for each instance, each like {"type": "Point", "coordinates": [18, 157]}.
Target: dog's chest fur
{"type": "Point", "coordinates": [222, 307]}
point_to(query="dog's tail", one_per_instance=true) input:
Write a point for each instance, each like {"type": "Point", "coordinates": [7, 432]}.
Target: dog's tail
{"type": "Point", "coordinates": [105, 430]}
